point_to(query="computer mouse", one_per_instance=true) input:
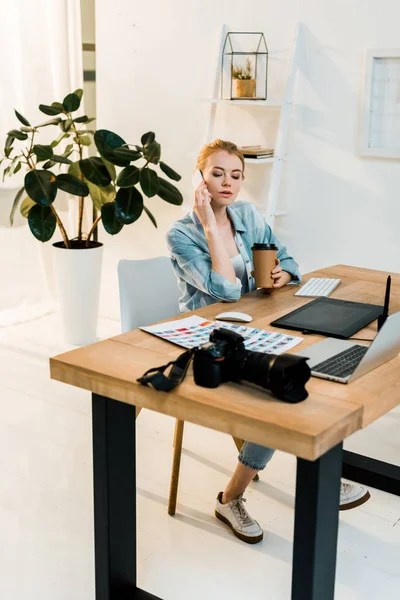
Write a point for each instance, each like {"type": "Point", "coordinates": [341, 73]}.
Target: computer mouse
{"type": "Point", "coordinates": [234, 316]}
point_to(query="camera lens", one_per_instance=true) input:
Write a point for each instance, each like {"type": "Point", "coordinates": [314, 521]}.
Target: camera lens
{"type": "Point", "coordinates": [284, 375]}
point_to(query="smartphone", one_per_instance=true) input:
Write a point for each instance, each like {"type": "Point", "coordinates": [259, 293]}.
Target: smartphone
{"type": "Point", "coordinates": [197, 179]}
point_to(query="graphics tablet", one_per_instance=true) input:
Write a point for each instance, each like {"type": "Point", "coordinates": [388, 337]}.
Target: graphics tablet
{"type": "Point", "coordinates": [327, 316]}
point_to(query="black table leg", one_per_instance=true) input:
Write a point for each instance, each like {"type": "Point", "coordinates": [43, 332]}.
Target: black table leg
{"type": "Point", "coordinates": [316, 526]}
{"type": "Point", "coordinates": [114, 470]}
{"type": "Point", "coordinates": [369, 471]}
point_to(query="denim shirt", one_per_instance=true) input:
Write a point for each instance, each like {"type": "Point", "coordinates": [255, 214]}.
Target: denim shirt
{"type": "Point", "coordinates": [191, 259]}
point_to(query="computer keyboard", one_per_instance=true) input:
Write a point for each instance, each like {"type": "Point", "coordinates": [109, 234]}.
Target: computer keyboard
{"type": "Point", "coordinates": [342, 364]}
{"type": "Point", "coordinates": [318, 286]}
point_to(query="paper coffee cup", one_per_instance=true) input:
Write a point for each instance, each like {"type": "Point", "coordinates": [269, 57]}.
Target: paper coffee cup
{"type": "Point", "coordinates": [264, 261]}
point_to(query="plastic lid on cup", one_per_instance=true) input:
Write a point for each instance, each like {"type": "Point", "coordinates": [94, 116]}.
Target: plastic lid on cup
{"type": "Point", "coordinates": [264, 247]}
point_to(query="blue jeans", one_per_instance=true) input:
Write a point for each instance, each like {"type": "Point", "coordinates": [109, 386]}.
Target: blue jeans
{"type": "Point", "coordinates": [255, 456]}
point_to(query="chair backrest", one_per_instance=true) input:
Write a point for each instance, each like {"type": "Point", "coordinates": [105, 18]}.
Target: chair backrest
{"type": "Point", "coordinates": [148, 291]}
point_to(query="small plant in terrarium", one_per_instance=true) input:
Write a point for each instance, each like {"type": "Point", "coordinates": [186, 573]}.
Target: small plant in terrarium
{"type": "Point", "coordinates": [244, 85]}
{"type": "Point", "coordinates": [244, 66]}
{"type": "Point", "coordinates": [239, 72]}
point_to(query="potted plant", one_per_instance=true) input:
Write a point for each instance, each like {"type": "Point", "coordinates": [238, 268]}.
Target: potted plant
{"type": "Point", "coordinates": [116, 197]}
{"type": "Point", "coordinates": [244, 85]}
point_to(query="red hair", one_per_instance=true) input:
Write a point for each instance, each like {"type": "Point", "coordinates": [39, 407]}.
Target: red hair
{"type": "Point", "coordinates": [216, 146]}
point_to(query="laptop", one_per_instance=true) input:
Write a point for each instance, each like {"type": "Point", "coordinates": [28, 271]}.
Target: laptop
{"type": "Point", "coordinates": [344, 361]}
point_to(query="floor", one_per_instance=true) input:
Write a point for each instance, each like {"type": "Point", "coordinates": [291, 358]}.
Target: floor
{"type": "Point", "coordinates": [46, 521]}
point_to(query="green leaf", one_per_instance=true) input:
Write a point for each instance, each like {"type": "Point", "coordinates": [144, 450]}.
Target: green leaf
{"type": "Point", "coordinates": [41, 186]}
{"type": "Point", "coordinates": [57, 105]}
{"type": "Point", "coordinates": [110, 221]}
{"type": "Point", "coordinates": [74, 169]}
{"type": "Point", "coordinates": [26, 206]}
{"type": "Point", "coordinates": [27, 129]}
{"type": "Point", "coordinates": [72, 101]}
{"type": "Point", "coordinates": [43, 152]}
{"type": "Point", "coordinates": [128, 177]}
{"type": "Point", "coordinates": [85, 140]}
{"type": "Point", "coordinates": [15, 204]}
{"type": "Point", "coordinates": [169, 192]}
{"type": "Point", "coordinates": [49, 164]}
{"type": "Point", "coordinates": [148, 138]}
{"type": "Point", "coordinates": [111, 169]}
{"type": "Point", "coordinates": [106, 142]}
{"type": "Point", "coordinates": [151, 217]}
{"type": "Point", "coordinates": [84, 119]}
{"type": "Point", "coordinates": [9, 142]}
{"type": "Point", "coordinates": [79, 93]}
{"type": "Point", "coordinates": [95, 171]}
{"type": "Point", "coordinates": [55, 121]}
{"type": "Point", "coordinates": [17, 168]}
{"type": "Point", "coordinates": [8, 151]}
{"type": "Point", "coordinates": [21, 118]}
{"type": "Point", "coordinates": [152, 152]}
{"type": "Point", "coordinates": [55, 109]}
{"type": "Point", "coordinates": [72, 185]}
{"type": "Point", "coordinates": [149, 182]}
{"type": "Point", "coordinates": [19, 135]}
{"type": "Point", "coordinates": [127, 154]}
{"type": "Point", "coordinates": [61, 159]}
{"type": "Point", "coordinates": [67, 150]}
{"type": "Point", "coordinates": [65, 124]}
{"type": "Point", "coordinates": [42, 222]}
{"type": "Point", "coordinates": [12, 165]}
{"type": "Point", "coordinates": [169, 172]}
{"type": "Point", "coordinates": [101, 195]}
{"type": "Point", "coordinates": [58, 139]}
{"type": "Point", "coordinates": [128, 205]}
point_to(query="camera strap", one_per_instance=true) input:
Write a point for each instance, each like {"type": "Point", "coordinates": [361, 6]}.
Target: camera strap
{"type": "Point", "coordinates": [164, 383]}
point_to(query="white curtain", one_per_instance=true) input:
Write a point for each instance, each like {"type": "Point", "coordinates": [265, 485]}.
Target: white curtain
{"type": "Point", "coordinates": [41, 62]}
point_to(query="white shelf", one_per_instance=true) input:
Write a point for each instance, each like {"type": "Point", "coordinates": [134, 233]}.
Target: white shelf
{"type": "Point", "coordinates": [256, 161]}
{"type": "Point", "coordinates": [268, 215]}
{"type": "Point", "coordinates": [259, 103]}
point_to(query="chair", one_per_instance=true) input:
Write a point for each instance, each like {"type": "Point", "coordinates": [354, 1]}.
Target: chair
{"type": "Point", "coordinates": [148, 293]}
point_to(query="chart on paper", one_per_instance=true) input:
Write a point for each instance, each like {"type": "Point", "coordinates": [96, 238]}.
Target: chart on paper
{"type": "Point", "coordinates": [195, 331]}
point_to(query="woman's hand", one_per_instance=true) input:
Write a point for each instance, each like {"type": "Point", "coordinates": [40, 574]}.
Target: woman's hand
{"type": "Point", "coordinates": [280, 277]}
{"type": "Point", "coordinates": [202, 206]}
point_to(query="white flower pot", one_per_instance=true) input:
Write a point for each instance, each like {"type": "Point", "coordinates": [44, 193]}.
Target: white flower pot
{"type": "Point", "coordinates": [78, 273]}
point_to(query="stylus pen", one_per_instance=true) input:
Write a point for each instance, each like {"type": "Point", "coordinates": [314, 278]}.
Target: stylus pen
{"type": "Point", "coordinates": [385, 312]}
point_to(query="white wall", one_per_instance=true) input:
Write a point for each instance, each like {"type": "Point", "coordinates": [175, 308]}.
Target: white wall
{"type": "Point", "coordinates": [156, 65]}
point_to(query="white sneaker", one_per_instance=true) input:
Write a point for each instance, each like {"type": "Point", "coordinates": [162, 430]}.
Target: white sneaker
{"type": "Point", "coordinates": [238, 519]}
{"type": "Point", "coordinates": [352, 495]}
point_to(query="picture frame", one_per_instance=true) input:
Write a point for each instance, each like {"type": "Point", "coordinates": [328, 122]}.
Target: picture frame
{"type": "Point", "coordinates": [380, 122]}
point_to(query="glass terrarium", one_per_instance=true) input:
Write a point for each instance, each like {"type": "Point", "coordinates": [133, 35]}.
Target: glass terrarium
{"type": "Point", "coordinates": [244, 66]}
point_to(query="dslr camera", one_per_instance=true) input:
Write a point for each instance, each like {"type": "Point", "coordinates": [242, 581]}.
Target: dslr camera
{"type": "Point", "coordinates": [224, 358]}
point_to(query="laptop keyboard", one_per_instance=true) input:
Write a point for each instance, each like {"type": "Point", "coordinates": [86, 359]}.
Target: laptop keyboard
{"type": "Point", "coordinates": [342, 364]}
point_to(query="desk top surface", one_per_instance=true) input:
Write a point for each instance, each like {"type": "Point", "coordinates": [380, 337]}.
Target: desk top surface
{"type": "Point", "coordinates": [308, 429]}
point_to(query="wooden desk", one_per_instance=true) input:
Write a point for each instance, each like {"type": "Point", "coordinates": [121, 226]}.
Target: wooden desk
{"type": "Point", "coordinates": [313, 430]}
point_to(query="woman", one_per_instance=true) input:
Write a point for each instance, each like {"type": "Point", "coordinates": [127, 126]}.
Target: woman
{"type": "Point", "coordinates": [211, 254]}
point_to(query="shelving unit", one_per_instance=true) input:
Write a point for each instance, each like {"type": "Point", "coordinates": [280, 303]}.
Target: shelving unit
{"type": "Point", "coordinates": [255, 161]}
{"type": "Point", "coordinates": [270, 207]}
{"type": "Point", "coordinates": [252, 103]}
